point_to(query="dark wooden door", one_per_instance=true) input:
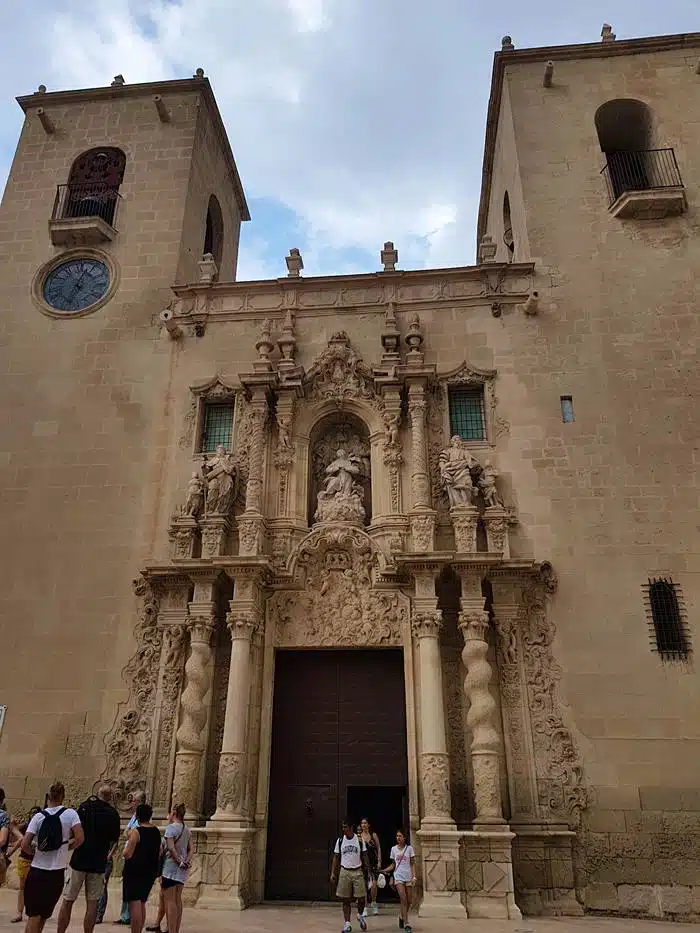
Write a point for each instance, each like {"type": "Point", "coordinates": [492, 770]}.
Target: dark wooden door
{"type": "Point", "coordinates": [339, 720]}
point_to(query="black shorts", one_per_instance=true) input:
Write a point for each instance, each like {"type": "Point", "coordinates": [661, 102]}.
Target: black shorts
{"type": "Point", "coordinates": [42, 891]}
{"type": "Point", "coordinates": [138, 889]}
{"type": "Point", "coordinates": [169, 883]}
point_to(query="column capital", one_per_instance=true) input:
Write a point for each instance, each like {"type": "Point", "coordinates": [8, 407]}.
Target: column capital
{"type": "Point", "coordinates": [426, 624]}
{"type": "Point", "coordinates": [243, 623]}
{"type": "Point", "coordinates": [200, 626]}
{"type": "Point", "coordinates": [474, 624]}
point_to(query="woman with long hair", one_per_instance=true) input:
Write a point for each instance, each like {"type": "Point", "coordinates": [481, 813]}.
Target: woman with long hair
{"type": "Point", "coordinates": [178, 839]}
{"type": "Point", "coordinates": [374, 857]}
{"type": "Point", "coordinates": [141, 857]}
{"type": "Point", "coordinates": [403, 867]}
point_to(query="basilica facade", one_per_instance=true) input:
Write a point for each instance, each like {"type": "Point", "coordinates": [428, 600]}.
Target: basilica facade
{"type": "Point", "coordinates": [411, 545]}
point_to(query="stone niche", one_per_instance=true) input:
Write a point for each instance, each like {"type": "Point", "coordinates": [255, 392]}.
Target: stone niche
{"type": "Point", "coordinates": [340, 439]}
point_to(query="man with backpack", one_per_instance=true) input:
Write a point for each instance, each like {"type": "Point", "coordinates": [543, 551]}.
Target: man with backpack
{"type": "Point", "coordinates": [350, 855]}
{"type": "Point", "coordinates": [58, 832]}
{"type": "Point", "coordinates": [102, 829]}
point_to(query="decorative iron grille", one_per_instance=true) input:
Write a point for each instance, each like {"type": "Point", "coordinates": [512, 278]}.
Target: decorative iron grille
{"type": "Point", "coordinates": [666, 615]}
{"type": "Point", "coordinates": [467, 413]}
{"type": "Point", "coordinates": [641, 170]}
{"type": "Point", "coordinates": [92, 200]}
{"type": "Point", "coordinates": [217, 427]}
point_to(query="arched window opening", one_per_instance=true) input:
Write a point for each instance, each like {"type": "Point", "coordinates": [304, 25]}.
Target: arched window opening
{"type": "Point", "coordinates": [93, 184]}
{"type": "Point", "coordinates": [214, 231]}
{"type": "Point", "coordinates": [625, 135]}
{"type": "Point", "coordinates": [665, 609]}
{"type": "Point", "coordinates": [508, 238]}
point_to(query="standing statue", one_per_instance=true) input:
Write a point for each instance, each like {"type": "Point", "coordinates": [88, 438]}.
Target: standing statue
{"type": "Point", "coordinates": [487, 485]}
{"type": "Point", "coordinates": [456, 464]}
{"type": "Point", "coordinates": [221, 482]}
{"type": "Point", "coordinates": [342, 498]}
{"type": "Point", "coordinates": [195, 495]}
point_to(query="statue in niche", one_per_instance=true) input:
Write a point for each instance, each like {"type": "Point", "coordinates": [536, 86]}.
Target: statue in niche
{"type": "Point", "coordinates": [342, 498]}
{"type": "Point", "coordinates": [487, 485]}
{"type": "Point", "coordinates": [220, 473]}
{"type": "Point", "coordinates": [195, 495]}
{"type": "Point", "coordinates": [456, 464]}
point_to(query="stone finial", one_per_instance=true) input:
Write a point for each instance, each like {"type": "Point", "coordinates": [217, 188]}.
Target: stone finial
{"type": "Point", "coordinates": [548, 74]}
{"type": "Point", "coordinates": [606, 33]}
{"type": "Point", "coordinates": [264, 346]}
{"type": "Point", "coordinates": [208, 269]}
{"type": "Point", "coordinates": [389, 257]}
{"type": "Point", "coordinates": [41, 89]}
{"type": "Point", "coordinates": [118, 81]}
{"type": "Point", "coordinates": [199, 73]}
{"type": "Point", "coordinates": [391, 338]}
{"type": "Point", "coordinates": [507, 44]}
{"type": "Point", "coordinates": [287, 342]}
{"type": "Point", "coordinates": [487, 249]}
{"type": "Point", "coordinates": [414, 337]}
{"type": "Point", "coordinates": [295, 263]}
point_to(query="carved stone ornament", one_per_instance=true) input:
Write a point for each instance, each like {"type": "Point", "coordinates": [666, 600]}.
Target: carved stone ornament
{"type": "Point", "coordinates": [423, 531]}
{"type": "Point", "coordinates": [338, 604]}
{"type": "Point", "coordinates": [229, 794]}
{"type": "Point", "coordinates": [339, 374]}
{"type": "Point", "coordinates": [128, 742]}
{"type": "Point", "coordinates": [435, 777]}
{"type": "Point", "coordinates": [464, 522]}
{"type": "Point", "coordinates": [174, 645]}
{"type": "Point", "coordinates": [220, 476]}
{"type": "Point", "coordinates": [341, 500]}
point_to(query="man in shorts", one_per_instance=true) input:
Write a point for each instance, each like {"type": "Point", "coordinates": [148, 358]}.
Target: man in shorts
{"type": "Point", "coordinates": [351, 854]}
{"type": "Point", "coordinates": [45, 879]}
{"type": "Point", "coordinates": [87, 866]}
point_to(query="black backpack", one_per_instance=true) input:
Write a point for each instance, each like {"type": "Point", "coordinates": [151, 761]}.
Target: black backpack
{"type": "Point", "coordinates": [50, 836]}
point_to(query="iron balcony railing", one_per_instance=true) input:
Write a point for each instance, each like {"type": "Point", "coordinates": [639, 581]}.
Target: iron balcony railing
{"type": "Point", "coordinates": [640, 170]}
{"type": "Point", "coordinates": [96, 200]}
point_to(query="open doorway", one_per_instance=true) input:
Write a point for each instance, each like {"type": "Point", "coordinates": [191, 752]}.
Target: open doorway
{"type": "Point", "coordinates": [386, 808]}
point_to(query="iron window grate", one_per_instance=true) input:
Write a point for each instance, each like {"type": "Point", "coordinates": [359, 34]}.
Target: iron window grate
{"type": "Point", "coordinates": [666, 616]}
{"type": "Point", "coordinates": [467, 417]}
{"type": "Point", "coordinates": [218, 427]}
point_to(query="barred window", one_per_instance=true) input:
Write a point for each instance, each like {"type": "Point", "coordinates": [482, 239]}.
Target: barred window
{"type": "Point", "coordinates": [665, 611]}
{"type": "Point", "coordinates": [467, 413]}
{"type": "Point", "coordinates": [217, 426]}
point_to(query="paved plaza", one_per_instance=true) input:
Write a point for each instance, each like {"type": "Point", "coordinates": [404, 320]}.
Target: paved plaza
{"type": "Point", "coordinates": [320, 918]}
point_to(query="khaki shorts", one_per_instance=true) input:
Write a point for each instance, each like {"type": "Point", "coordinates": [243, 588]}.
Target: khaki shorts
{"type": "Point", "coordinates": [94, 885]}
{"type": "Point", "coordinates": [351, 883]}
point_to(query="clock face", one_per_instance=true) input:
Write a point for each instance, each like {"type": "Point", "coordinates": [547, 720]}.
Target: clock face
{"type": "Point", "coordinates": [76, 284]}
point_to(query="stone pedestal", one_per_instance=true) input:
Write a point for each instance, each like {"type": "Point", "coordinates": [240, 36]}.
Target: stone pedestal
{"type": "Point", "coordinates": [496, 522]}
{"type": "Point", "coordinates": [221, 874]}
{"type": "Point", "coordinates": [543, 871]}
{"type": "Point", "coordinates": [464, 520]}
{"type": "Point", "coordinates": [183, 536]}
{"type": "Point", "coordinates": [487, 875]}
{"type": "Point", "coordinates": [423, 530]}
{"type": "Point", "coordinates": [440, 860]}
{"type": "Point", "coordinates": [251, 534]}
{"type": "Point", "coordinates": [215, 529]}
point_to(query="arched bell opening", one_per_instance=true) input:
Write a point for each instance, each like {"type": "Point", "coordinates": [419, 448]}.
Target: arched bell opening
{"type": "Point", "coordinates": [339, 463]}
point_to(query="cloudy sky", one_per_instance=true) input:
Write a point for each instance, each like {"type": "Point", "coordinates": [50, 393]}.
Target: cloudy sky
{"type": "Point", "coordinates": [352, 121]}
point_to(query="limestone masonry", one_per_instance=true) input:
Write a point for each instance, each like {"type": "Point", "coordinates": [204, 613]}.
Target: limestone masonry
{"type": "Point", "coordinates": [475, 488]}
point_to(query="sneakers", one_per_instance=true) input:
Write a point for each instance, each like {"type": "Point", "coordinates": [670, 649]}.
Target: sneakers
{"type": "Point", "coordinates": [363, 922]}
{"type": "Point", "coordinates": [408, 928]}
{"type": "Point", "coordinates": [347, 928]}
{"type": "Point", "coordinates": [375, 910]}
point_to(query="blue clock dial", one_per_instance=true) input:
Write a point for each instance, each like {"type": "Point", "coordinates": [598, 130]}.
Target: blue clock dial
{"type": "Point", "coordinates": [76, 284]}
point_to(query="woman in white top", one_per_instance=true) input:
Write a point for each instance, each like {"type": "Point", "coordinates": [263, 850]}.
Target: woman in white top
{"type": "Point", "coordinates": [403, 865]}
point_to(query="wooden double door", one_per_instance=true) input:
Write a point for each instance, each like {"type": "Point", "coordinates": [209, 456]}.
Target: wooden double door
{"type": "Point", "coordinates": [338, 740]}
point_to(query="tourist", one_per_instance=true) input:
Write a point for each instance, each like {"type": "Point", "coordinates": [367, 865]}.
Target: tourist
{"type": "Point", "coordinates": [23, 864]}
{"type": "Point", "coordinates": [102, 829]}
{"type": "Point", "coordinates": [374, 859]}
{"type": "Point", "coordinates": [137, 797]}
{"type": "Point", "coordinates": [156, 928]}
{"type": "Point", "coordinates": [178, 840]}
{"type": "Point", "coordinates": [141, 858]}
{"type": "Point", "coordinates": [58, 832]}
{"type": "Point", "coordinates": [403, 867]}
{"type": "Point", "coordinates": [351, 854]}
{"type": "Point", "coordinates": [102, 903]}
{"type": "Point", "coordinates": [10, 838]}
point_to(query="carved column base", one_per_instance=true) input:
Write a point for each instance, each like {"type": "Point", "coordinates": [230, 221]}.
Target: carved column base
{"type": "Point", "coordinates": [496, 521]}
{"type": "Point", "coordinates": [464, 520]}
{"type": "Point", "coordinates": [221, 873]}
{"type": "Point", "coordinates": [486, 766]}
{"type": "Point", "coordinates": [229, 795]}
{"type": "Point", "coordinates": [251, 534]}
{"type": "Point", "coordinates": [423, 531]}
{"type": "Point", "coordinates": [435, 783]}
{"type": "Point", "coordinates": [183, 535]}
{"type": "Point", "coordinates": [215, 529]}
{"type": "Point", "coordinates": [440, 874]}
{"type": "Point", "coordinates": [186, 782]}
{"type": "Point", "coordinates": [487, 875]}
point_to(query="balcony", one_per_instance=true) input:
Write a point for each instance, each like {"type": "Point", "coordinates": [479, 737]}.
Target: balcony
{"type": "Point", "coordinates": [84, 215]}
{"type": "Point", "coordinates": [644, 184]}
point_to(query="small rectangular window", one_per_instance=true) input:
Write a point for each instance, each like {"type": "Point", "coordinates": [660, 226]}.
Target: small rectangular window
{"type": "Point", "coordinates": [666, 621]}
{"type": "Point", "coordinates": [217, 426]}
{"type": "Point", "coordinates": [467, 413]}
{"type": "Point", "coordinates": [567, 409]}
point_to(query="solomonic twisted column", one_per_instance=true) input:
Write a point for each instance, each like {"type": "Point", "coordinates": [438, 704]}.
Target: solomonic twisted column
{"type": "Point", "coordinates": [481, 717]}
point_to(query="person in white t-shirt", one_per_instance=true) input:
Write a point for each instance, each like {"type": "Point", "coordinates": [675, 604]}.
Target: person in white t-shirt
{"type": "Point", "coordinates": [403, 866]}
{"type": "Point", "coordinates": [45, 879]}
{"type": "Point", "coordinates": [351, 854]}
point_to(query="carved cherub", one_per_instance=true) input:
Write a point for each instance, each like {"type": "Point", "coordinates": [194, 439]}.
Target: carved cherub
{"type": "Point", "coordinates": [391, 421]}
{"type": "Point", "coordinates": [284, 423]}
{"type": "Point", "coordinates": [195, 495]}
{"type": "Point", "coordinates": [487, 485]}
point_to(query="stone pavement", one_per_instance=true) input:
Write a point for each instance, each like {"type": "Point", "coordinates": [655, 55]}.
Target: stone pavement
{"type": "Point", "coordinates": [322, 918]}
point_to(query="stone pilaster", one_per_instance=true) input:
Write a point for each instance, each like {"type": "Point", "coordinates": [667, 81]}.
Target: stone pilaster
{"type": "Point", "coordinates": [284, 452]}
{"type": "Point", "coordinates": [251, 524]}
{"type": "Point", "coordinates": [422, 517]}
